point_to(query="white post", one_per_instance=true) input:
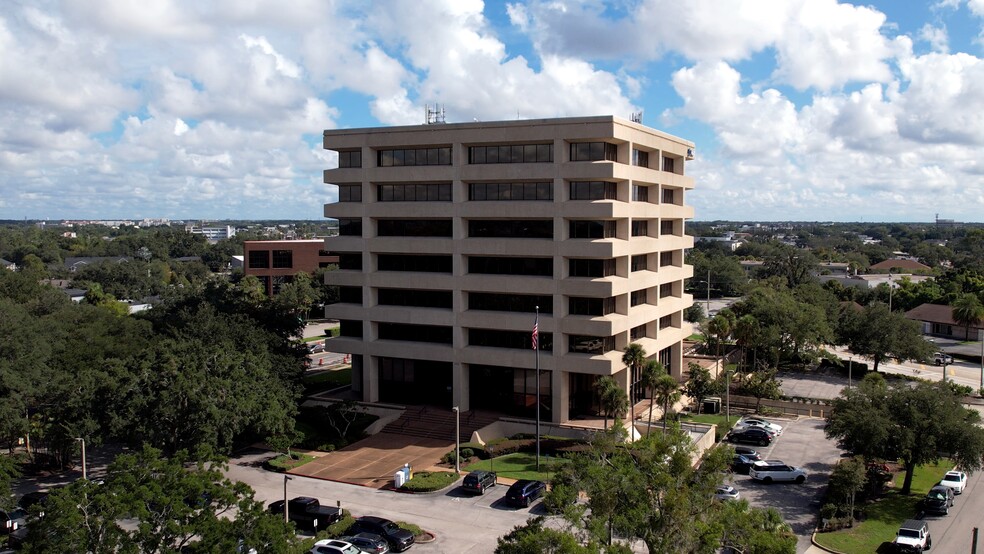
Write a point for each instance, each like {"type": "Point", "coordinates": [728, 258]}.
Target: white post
{"type": "Point", "coordinates": [457, 439]}
{"type": "Point", "coordinates": [286, 517]}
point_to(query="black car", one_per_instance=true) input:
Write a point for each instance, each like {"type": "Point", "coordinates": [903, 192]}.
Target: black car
{"type": "Point", "coordinates": [523, 492]}
{"type": "Point", "coordinates": [12, 520]}
{"type": "Point", "coordinates": [751, 435]}
{"type": "Point", "coordinates": [748, 452]}
{"type": "Point", "coordinates": [399, 539]}
{"type": "Point", "coordinates": [478, 481]}
{"type": "Point", "coordinates": [938, 500]}
{"type": "Point", "coordinates": [741, 464]}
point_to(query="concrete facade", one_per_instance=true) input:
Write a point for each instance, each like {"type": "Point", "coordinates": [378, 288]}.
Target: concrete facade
{"type": "Point", "coordinates": [275, 262]}
{"type": "Point", "coordinates": [451, 235]}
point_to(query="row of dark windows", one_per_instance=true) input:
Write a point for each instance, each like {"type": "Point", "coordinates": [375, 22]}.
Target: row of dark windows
{"type": "Point", "coordinates": [428, 263]}
{"type": "Point", "coordinates": [640, 193]}
{"type": "Point", "coordinates": [494, 302]}
{"type": "Point", "coordinates": [637, 297]}
{"type": "Point", "coordinates": [258, 259]}
{"type": "Point", "coordinates": [419, 298]}
{"type": "Point", "coordinates": [350, 158]}
{"type": "Point", "coordinates": [593, 151]}
{"type": "Point", "coordinates": [637, 332]}
{"type": "Point", "coordinates": [640, 262]}
{"type": "Point", "coordinates": [666, 289]}
{"type": "Point", "coordinates": [590, 345]}
{"type": "Point", "coordinates": [509, 339]}
{"type": "Point", "coordinates": [261, 259]}
{"type": "Point", "coordinates": [350, 193]}
{"type": "Point", "coordinates": [498, 265]}
{"type": "Point", "coordinates": [665, 259]}
{"type": "Point", "coordinates": [511, 153]}
{"type": "Point", "coordinates": [521, 228]}
{"type": "Point", "coordinates": [640, 228]}
{"type": "Point", "coordinates": [511, 191]}
{"type": "Point", "coordinates": [578, 305]}
{"type": "Point", "coordinates": [350, 260]}
{"type": "Point", "coordinates": [414, 228]}
{"type": "Point", "coordinates": [414, 156]}
{"type": "Point", "coordinates": [591, 229]}
{"type": "Point", "coordinates": [666, 227]}
{"type": "Point", "coordinates": [583, 267]}
{"type": "Point", "coordinates": [414, 192]}
{"type": "Point", "coordinates": [440, 334]}
{"type": "Point", "coordinates": [350, 295]}
{"type": "Point", "coordinates": [592, 190]}
{"type": "Point", "coordinates": [350, 328]}
{"type": "Point", "coordinates": [350, 226]}
{"type": "Point", "coordinates": [640, 158]}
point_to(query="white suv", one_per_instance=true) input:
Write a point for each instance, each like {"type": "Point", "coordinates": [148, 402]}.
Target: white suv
{"type": "Point", "coordinates": [941, 358]}
{"type": "Point", "coordinates": [775, 470]}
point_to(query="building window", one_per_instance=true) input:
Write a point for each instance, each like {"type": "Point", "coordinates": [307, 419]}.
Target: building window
{"type": "Point", "coordinates": [349, 158]}
{"type": "Point", "coordinates": [350, 193]}
{"type": "Point", "coordinates": [350, 328]}
{"type": "Point", "coordinates": [426, 263]}
{"type": "Point", "coordinates": [511, 154]}
{"type": "Point", "coordinates": [414, 192]}
{"type": "Point", "coordinates": [666, 227]}
{"type": "Point", "coordinates": [593, 152]}
{"type": "Point", "coordinates": [640, 193]}
{"type": "Point", "coordinates": [637, 297]}
{"type": "Point", "coordinates": [259, 259]}
{"type": "Point", "coordinates": [350, 295]}
{"type": "Point", "coordinates": [666, 289]}
{"type": "Point", "coordinates": [351, 260]}
{"type": "Point", "coordinates": [593, 190]}
{"type": "Point", "coordinates": [502, 265]}
{"type": "Point", "coordinates": [640, 228]}
{"type": "Point", "coordinates": [413, 228]}
{"type": "Point", "coordinates": [526, 191]}
{"type": "Point", "coordinates": [519, 340]}
{"type": "Point", "coordinates": [665, 259]}
{"type": "Point", "coordinates": [640, 262]}
{"type": "Point", "coordinates": [666, 321]}
{"type": "Point", "coordinates": [414, 156]}
{"type": "Point", "coordinates": [440, 334]}
{"type": "Point", "coordinates": [640, 158]}
{"type": "Point", "coordinates": [578, 305]}
{"type": "Point", "coordinates": [350, 226]}
{"type": "Point", "coordinates": [590, 345]}
{"type": "Point", "coordinates": [495, 302]}
{"type": "Point", "coordinates": [283, 259]}
{"type": "Point", "coordinates": [637, 332]}
{"type": "Point", "coordinates": [515, 228]}
{"type": "Point", "coordinates": [581, 267]}
{"type": "Point", "coordinates": [668, 196]}
{"type": "Point", "coordinates": [508, 390]}
{"type": "Point", "coordinates": [668, 164]}
{"type": "Point", "coordinates": [416, 298]}
{"type": "Point", "coordinates": [592, 229]}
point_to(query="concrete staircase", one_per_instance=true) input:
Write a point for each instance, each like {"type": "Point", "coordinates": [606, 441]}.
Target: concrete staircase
{"type": "Point", "coordinates": [431, 422]}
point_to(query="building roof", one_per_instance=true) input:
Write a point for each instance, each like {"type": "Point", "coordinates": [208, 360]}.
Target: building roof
{"type": "Point", "coordinates": [933, 313]}
{"type": "Point", "coordinates": [900, 263]}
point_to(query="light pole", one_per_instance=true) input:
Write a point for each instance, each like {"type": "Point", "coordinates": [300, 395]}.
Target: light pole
{"type": "Point", "coordinates": [81, 440]}
{"type": "Point", "coordinates": [944, 370]}
{"type": "Point", "coordinates": [286, 516]}
{"type": "Point", "coordinates": [457, 439]}
{"type": "Point", "coordinates": [981, 337]}
{"type": "Point", "coordinates": [850, 368]}
{"type": "Point", "coordinates": [890, 290]}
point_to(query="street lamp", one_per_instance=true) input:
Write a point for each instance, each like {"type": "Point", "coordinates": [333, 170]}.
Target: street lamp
{"type": "Point", "coordinates": [286, 516]}
{"type": "Point", "coordinates": [457, 439]}
{"type": "Point", "coordinates": [81, 440]}
{"type": "Point", "coordinates": [944, 370]}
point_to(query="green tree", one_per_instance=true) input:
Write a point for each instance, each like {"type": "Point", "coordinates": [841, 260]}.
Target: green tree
{"type": "Point", "coordinates": [694, 313]}
{"type": "Point", "coordinates": [667, 391]}
{"type": "Point", "coordinates": [747, 529]}
{"type": "Point", "coordinates": [913, 423]}
{"type": "Point", "coordinates": [847, 479]}
{"type": "Point", "coordinates": [746, 335]}
{"type": "Point", "coordinates": [614, 403]}
{"type": "Point", "coordinates": [879, 334]}
{"type": "Point", "coordinates": [719, 327]}
{"type": "Point", "coordinates": [534, 538]}
{"type": "Point", "coordinates": [651, 372]}
{"type": "Point", "coordinates": [967, 311]}
{"type": "Point", "coordinates": [762, 384]}
{"type": "Point", "coordinates": [699, 384]}
{"type": "Point", "coordinates": [633, 356]}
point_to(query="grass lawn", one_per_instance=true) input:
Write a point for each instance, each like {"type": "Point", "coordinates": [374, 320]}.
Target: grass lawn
{"type": "Point", "coordinates": [883, 518]}
{"type": "Point", "coordinates": [327, 380]}
{"type": "Point", "coordinates": [426, 481]}
{"type": "Point", "coordinates": [283, 463]}
{"type": "Point", "coordinates": [519, 465]}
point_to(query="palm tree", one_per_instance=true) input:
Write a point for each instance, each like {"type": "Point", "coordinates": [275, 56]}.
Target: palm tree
{"type": "Point", "coordinates": [633, 357]}
{"type": "Point", "coordinates": [668, 391]}
{"type": "Point", "coordinates": [651, 373]}
{"type": "Point", "coordinates": [613, 399]}
{"type": "Point", "coordinates": [720, 327]}
{"type": "Point", "coordinates": [746, 334]}
{"type": "Point", "coordinates": [967, 311]}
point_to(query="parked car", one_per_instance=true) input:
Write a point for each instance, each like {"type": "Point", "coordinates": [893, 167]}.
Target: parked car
{"type": "Point", "coordinates": [750, 435]}
{"type": "Point", "coordinates": [368, 542]}
{"type": "Point", "coordinates": [726, 492]}
{"type": "Point", "coordinates": [334, 546]}
{"type": "Point", "coordinates": [913, 536]}
{"type": "Point", "coordinates": [308, 513]}
{"type": "Point", "coordinates": [33, 498]}
{"type": "Point", "coordinates": [748, 452]}
{"type": "Point", "coordinates": [956, 480]}
{"type": "Point", "coordinates": [741, 464]}
{"type": "Point", "coordinates": [523, 492]}
{"type": "Point", "coordinates": [399, 539]}
{"type": "Point", "coordinates": [12, 520]}
{"type": "Point", "coordinates": [938, 500]}
{"type": "Point", "coordinates": [775, 470]}
{"type": "Point", "coordinates": [316, 347]}
{"type": "Point", "coordinates": [759, 422]}
{"type": "Point", "coordinates": [941, 358]}
{"type": "Point", "coordinates": [478, 481]}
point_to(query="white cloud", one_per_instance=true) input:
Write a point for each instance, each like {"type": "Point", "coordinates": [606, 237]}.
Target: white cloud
{"type": "Point", "coordinates": [936, 37]}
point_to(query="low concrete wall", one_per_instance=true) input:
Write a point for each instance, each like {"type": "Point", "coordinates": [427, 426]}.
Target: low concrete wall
{"type": "Point", "coordinates": [506, 427]}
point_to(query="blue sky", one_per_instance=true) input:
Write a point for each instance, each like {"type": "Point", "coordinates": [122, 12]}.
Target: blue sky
{"type": "Point", "coordinates": [810, 110]}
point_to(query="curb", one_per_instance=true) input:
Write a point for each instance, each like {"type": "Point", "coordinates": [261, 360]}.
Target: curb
{"type": "Point", "coordinates": [813, 541]}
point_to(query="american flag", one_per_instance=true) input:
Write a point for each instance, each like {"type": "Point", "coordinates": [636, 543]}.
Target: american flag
{"type": "Point", "coordinates": [536, 332]}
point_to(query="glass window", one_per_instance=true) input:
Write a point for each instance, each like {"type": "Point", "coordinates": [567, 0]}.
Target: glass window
{"type": "Point", "coordinates": [352, 260]}
{"type": "Point", "coordinates": [640, 158]}
{"type": "Point", "coordinates": [580, 267]}
{"type": "Point", "coordinates": [415, 297]}
{"type": "Point", "coordinates": [637, 332]}
{"type": "Point", "coordinates": [426, 263]}
{"type": "Point", "coordinates": [590, 345]}
{"type": "Point", "coordinates": [510, 153]}
{"type": "Point", "coordinates": [665, 259]}
{"type": "Point", "coordinates": [640, 262]}
{"type": "Point", "coordinates": [350, 328]}
{"type": "Point", "coordinates": [350, 193]}
{"type": "Point", "coordinates": [413, 227]}
{"type": "Point", "coordinates": [498, 302]}
{"type": "Point", "coordinates": [668, 164]}
{"type": "Point", "coordinates": [414, 156]}
{"type": "Point", "coordinates": [350, 226]}
{"type": "Point", "coordinates": [416, 333]}
{"type": "Point", "coordinates": [666, 227]}
{"type": "Point", "coordinates": [640, 193]}
{"type": "Point", "coordinates": [520, 340]}
{"type": "Point", "coordinates": [591, 229]}
{"type": "Point", "coordinates": [591, 306]}
{"type": "Point", "coordinates": [666, 289]}
{"type": "Point", "coordinates": [502, 265]}
{"type": "Point", "coordinates": [593, 151]}
{"type": "Point", "coordinates": [527, 191]}
{"type": "Point", "coordinates": [349, 158]}
{"type": "Point", "coordinates": [350, 295]}
{"type": "Point", "coordinates": [638, 297]}
{"type": "Point", "coordinates": [640, 228]}
{"type": "Point", "coordinates": [668, 196]}
{"type": "Point", "coordinates": [283, 259]}
{"type": "Point", "coordinates": [592, 190]}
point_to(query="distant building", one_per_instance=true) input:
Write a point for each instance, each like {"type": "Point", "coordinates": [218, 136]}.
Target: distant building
{"type": "Point", "coordinates": [937, 319]}
{"type": "Point", "coordinates": [5, 264]}
{"type": "Point", "coordinates": [212, 234]}
{"type": "Point", "coordinates": [275, 262]}
{"type": "Point", "coordinates": [76, 263]}
{"type": "Point", "coordinates": [898, 265]}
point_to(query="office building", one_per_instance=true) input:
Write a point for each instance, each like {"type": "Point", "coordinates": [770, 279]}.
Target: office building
{"type": "Point", "coordinates": [275, 262]}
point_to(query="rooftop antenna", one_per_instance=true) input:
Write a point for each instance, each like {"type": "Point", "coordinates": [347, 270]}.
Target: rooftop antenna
{"type": "Point", "coordinates": [636, 117]}
{"type": "Point", "coordinates": [435, 115]}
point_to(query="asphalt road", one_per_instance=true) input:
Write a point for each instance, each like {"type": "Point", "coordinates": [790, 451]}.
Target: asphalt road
{"type": "Point", "coordinates": [954, 532]}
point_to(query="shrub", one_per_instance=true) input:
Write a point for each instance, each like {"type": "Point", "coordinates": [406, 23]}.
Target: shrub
{"type": "Point", "coordinates": [282, 463]}
{"type": "Point", "coordinates": [427, 481]}
{"type": "Point", "coordinates": [467, 453]}
{"type": "Point", "coordinates": [340, 527]}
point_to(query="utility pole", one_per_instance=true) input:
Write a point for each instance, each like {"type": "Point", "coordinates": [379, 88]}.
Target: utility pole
{"type": "Point", "coordinates": [708, 293]}
{"type": "Point", "coordinates": [286, 516]}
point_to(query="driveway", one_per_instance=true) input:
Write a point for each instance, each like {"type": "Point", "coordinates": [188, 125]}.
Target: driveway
{"type": "Point", "coordinates": [804, 445]}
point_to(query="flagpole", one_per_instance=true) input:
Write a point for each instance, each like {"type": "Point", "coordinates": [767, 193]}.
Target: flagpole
{"type": "Point", "coordinates": [536, 348]}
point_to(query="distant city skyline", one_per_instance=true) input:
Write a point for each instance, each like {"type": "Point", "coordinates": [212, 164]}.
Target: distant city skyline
{"type": "Point", "coordinates": [802, 110]}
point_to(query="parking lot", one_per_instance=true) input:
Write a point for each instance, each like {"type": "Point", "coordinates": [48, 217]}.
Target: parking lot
{"type": "Point", "coordinates": [803, 445]}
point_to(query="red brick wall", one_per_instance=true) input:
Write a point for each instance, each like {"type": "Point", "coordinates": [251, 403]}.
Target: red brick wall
{"type": "Point", "coordinates": [307, 257]}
